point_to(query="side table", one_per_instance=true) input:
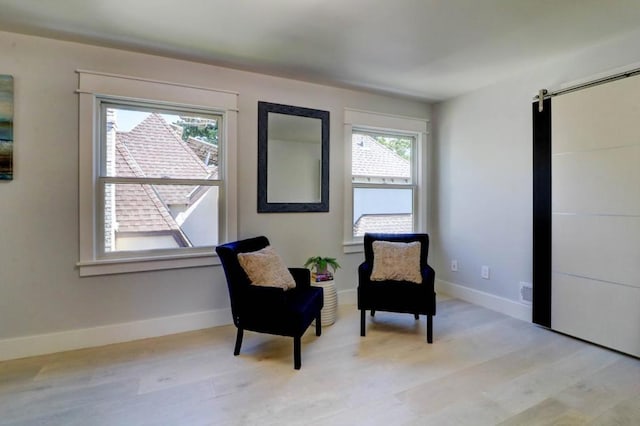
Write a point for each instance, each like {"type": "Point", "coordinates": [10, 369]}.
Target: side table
{"type": "Point", "coordinates": [330, 310]}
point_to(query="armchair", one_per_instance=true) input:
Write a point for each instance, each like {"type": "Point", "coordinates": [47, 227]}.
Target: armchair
{"type": "Point", "coordinates": [392, 295]}
{"type": "Point", "coordinates": [269, 310]}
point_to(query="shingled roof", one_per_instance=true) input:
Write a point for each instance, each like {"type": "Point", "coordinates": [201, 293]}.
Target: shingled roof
{"type": "Point", "coordinates": [138, 207]}
{"type": "Point", "coordinates": [153, 149]}
{"type": "Point", "coordinates": [370, 158]}
{"type": "Point", "coordinates": [385, 223]}
{"type": "Point", "coordinates": [374, 162]}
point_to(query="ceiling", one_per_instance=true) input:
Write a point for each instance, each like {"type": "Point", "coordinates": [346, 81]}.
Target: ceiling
{"type": "Point", "coordinates": [427, 49]}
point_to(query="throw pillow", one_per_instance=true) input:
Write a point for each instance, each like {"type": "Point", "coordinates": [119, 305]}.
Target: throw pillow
{"type": "Point", "coordinates": [396, 261]}
{"type": "Point", "coordinates": [266, 268]}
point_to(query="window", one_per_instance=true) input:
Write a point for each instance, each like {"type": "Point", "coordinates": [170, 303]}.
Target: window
{"type": "Point", "coordinates": [387, 175]}
{"type": "Point", "coordinates": [382, 177]}
{"type": "Point", "coordinates": [159, 180]}
{"type": "Point", "coordinates": [156, 192]}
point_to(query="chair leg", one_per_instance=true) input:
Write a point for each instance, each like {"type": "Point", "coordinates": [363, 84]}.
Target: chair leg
{"type": "Point", "coordinates": [429, 329]}
{"type": "Point", "coordinates": [373, 313]}
{"type": "Point", "coordinates": [236, 351]}
{"type": "Point", "coordinates": [362, 322]}
{"type": "Point", "coordinates": [417, 317]}
{"type": "Point", "coordinates": [297, 360]}
{"type": "Point", "coordinates": [318, 324]}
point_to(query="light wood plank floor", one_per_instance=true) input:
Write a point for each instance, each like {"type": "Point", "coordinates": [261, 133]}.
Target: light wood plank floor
{"type": "Point", "coordinates": [483, 368]}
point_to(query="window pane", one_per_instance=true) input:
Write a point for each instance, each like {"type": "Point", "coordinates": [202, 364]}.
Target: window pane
{"type": "Point", "coordinates": [382, 210]}
{"type": "Point", "coordinates": [154, 143]}
{"type": "Point", "coordinates": [381, 158]}
{"type": "Point", "coordinates": [148, 217]}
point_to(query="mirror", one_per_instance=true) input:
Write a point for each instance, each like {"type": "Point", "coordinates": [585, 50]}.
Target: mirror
{"type": "Point", "coordinates": [293, 159]}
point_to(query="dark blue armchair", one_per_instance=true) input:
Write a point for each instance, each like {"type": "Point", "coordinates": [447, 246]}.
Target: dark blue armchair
{"type": "Point", "coordinates": [397, 296]}
{"type": "Point", "coordinates": [269, 309]}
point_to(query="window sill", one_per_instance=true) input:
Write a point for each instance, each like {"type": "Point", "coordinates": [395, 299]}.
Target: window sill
{"type": "Point", "coordinates": [124, 266]}
{"type": "Point", "coordinates": [352, 247]}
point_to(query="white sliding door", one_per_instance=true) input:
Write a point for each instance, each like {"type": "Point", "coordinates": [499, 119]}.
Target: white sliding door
{"type": "Point", "coordinates": [595, 238]}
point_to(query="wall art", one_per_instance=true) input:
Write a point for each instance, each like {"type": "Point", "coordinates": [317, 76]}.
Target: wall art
{"type": "Point", "coordinates": [6, 127]}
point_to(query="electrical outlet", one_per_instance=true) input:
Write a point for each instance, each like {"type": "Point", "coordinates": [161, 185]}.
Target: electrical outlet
{"type": "Point", "coordinates": [454, 265]}
{"type": "Point", "coordinates": [484, 272]}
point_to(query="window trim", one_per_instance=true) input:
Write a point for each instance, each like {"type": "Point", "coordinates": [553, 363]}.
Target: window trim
{"type": "Point", "coordinates": [96, 87]}
{"type": "Point", "coordinates": [374, 122]}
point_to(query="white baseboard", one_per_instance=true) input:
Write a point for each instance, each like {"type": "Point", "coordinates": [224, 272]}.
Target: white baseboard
{"type": "Point", "coordinates": [496, 303]}
{"type": "Point", "coordinates": [41, 344]}
{"type": "Point", "coordinates": [21, 347]}
{"type": "Point", "coordinates": [489, 301]}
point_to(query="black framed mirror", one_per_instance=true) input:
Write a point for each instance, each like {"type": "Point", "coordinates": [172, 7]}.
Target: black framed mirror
{"type": "Point", "coordinates": [293, 159]}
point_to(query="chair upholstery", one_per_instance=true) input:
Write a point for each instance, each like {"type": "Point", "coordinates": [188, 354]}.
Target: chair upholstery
{"type": "Point", "coordinates": [269, 309]}
{"type": "Point", "coordinates": [397, 296]}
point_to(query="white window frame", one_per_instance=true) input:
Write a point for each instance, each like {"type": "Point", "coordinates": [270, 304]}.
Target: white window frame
{"type": "Point", "coordinates": [374, 122]}
{"type": "Point", "coordinates": [95, 88]}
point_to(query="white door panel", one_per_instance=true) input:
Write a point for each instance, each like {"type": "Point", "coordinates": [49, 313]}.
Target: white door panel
{"type": "Point", "coordinates": [597, 182]}
{"type": "Point", "coordinates": [595, 217]}
{"type": "Point", "coordinates": [578, 247]}
{"type": "Point", "coordinates": [598, 312]}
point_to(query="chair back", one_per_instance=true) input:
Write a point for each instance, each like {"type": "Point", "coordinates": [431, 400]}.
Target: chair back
{"type": "Point", "coordinates": [237, 278]}
{"type": "Point", "coordinates": [369, 238]}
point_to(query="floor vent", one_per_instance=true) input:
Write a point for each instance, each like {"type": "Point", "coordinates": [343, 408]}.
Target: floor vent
{"type": "Point", "coordinates": [526, 293]}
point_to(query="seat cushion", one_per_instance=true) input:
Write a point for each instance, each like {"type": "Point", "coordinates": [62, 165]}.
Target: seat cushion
{"type": "Point", "coordinates": [396, 296]}
{"type": "Point", "coordinates": [396, 261]}
{"type": "Point", "coordinates": [266, 268]}
{"type": "Point", "coordinates": [304, 304]}
{"type": "Point", "coordinates": [291, 319]}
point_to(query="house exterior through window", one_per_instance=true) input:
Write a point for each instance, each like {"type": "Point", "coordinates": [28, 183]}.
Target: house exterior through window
{"type": "Point", "coordinates": [383, 182]}
{"type": "Point", "coordinates": [148, 203]}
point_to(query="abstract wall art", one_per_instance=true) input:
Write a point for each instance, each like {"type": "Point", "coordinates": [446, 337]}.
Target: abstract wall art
{"type": "Point", "coordinates": [6, 127]}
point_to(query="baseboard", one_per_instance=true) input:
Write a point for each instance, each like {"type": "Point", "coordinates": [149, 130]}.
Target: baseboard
{"type": "Point", "coordinates": [487, 300]}
{"type": "Point", "coordinates": [20, 347]}
{"type": "Point", "coordinates": [41, 344]}
{"type": "Point", "coordinates": [480, 298]}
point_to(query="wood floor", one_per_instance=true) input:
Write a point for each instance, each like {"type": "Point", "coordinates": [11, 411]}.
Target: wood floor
{"type": "Point", "coordinates": [483, 368]}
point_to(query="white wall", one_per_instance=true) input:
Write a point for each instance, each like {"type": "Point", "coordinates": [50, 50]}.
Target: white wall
{"type": "Point", "coordinates": [483, 166]}
{"type": "Point", "coordinates": [40, 289]}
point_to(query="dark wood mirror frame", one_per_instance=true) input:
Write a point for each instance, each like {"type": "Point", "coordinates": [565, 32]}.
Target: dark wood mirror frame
{"type": "Point", "coordinates": [264, 206]}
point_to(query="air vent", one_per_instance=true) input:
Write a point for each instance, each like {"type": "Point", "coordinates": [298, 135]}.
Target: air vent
{"type": "Point", "coordinates": [526, 292]}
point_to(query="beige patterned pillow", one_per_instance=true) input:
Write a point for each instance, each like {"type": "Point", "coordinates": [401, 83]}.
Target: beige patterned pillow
{"type": "Point", "coordinates": [266, 268]}
{"type": "Point", "coordinates": [396, 261]}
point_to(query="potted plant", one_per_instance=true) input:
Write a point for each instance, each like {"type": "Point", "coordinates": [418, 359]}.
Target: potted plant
{"type": "Point", "coordinates": [320, 266]}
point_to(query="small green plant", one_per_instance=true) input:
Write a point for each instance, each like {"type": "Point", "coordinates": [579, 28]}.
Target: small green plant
{"type": "Point", "coordinates": [321, 264]}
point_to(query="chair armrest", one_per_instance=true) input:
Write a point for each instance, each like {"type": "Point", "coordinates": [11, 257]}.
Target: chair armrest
{"type": "Point", "coordinates": [302, 277]}
{"type": "Point", "coordinates": [428, 275]}
{"type": "Point", "coordinates": [364, 273]}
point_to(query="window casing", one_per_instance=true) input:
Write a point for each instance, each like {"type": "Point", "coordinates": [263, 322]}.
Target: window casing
{"type": "Point", "coordinates": [386, 182]}
{"type": "Point", "coordinates": [154, 194]}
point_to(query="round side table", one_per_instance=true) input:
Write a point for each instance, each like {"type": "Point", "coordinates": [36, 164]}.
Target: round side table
{"type": "Point", "coordinates": [329, 311]}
